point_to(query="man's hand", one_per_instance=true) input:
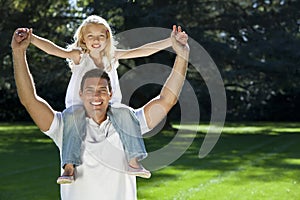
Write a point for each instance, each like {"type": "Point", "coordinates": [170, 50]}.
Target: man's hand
{"type": "Point", "coordinates": [179, 41]}
{"type": "Point", "coordinates": [20, 39]}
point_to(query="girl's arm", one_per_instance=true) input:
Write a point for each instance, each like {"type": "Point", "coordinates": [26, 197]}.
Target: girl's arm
{"type": "Point", "coordinates": [143, 51]}
{"type": "Point", "coordinates": [53, 49]}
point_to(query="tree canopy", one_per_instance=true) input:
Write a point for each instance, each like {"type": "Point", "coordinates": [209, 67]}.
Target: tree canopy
{"type": "Point", "coordinates": [255, 44]}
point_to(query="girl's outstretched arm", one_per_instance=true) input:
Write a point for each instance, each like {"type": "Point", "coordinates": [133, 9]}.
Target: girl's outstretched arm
{"type": "Point", "coordinates": [143, 51]}
{"type": "Point", "coordinates": [53, 49]}
{"type": "Point", "coordinates": [148, 49]}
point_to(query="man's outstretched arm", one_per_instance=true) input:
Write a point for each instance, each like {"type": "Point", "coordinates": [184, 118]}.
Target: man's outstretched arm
{"type": "Point", "coordinates": [159, 107]}
{"type": "Point", "coordinates": [39, 110]}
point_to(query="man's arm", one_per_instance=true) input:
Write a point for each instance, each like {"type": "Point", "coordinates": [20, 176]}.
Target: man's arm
{"type": "Point", "coordinates": [41, 113]}
{"type": "Point", "coordinates": [52, 49]}
{"type": "Point", "coordinates": [158, 108]}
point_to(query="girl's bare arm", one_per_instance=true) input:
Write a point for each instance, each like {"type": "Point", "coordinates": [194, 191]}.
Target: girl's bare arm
{"type": "Point", "coordinates": [143, 51]}
{"type": "Point", "coordinates": [52, 49]}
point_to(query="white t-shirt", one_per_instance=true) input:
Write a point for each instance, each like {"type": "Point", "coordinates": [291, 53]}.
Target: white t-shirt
{"type": "Point", "coordinates": [101, 176]}
{"type": "Point", "coordinates": [78, 71]}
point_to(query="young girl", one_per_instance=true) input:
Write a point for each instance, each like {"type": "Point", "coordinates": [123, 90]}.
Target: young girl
{"type": "Point", "coordinates": [93, 47]}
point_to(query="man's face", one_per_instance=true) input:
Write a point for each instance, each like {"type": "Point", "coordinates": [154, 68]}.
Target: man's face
{"type": "Point", "coordinates": [95, 97]}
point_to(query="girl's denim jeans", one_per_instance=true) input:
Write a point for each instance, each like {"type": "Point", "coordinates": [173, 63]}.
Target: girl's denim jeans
{"type": "Point", "coordinates": [122, 118]}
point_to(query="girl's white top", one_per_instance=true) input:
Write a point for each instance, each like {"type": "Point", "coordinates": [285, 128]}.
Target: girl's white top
{"type": "Point", "coordinates": [78, 71]}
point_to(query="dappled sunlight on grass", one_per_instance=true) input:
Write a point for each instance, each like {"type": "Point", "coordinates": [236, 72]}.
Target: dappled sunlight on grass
{"type": "Point", "coordinates": [249, 162]}
{"type": "Point", "coordinates": [258, 161]}
{"type": "Point", "coordinates": [253, 128]}
{"type": "Point", "coordinates": [30, 163]}
{"type": "Point", "coordinates": [172, 183]}
{"type": "Point", "coordinates": [8, 127]}
{"type": "Point", "coordinates": [24, 135]}
{"type": "Point", "coordinates": [292, 161]}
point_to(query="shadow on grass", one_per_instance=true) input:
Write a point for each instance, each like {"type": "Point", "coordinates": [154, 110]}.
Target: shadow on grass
{"type": "Point", "coordinates": [29, 163]}
{"type": "Point", "coordinates": [251, 146]}
{"type": "Point", "coordinates": [265, 152]}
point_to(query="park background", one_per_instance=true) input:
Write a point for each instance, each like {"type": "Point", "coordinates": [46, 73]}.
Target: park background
{"type": "Point", "coordinates": [255, 45]}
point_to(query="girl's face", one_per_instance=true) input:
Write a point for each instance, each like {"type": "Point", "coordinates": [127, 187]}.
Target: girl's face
{"type": "Point", "coordinates": [95, 37]}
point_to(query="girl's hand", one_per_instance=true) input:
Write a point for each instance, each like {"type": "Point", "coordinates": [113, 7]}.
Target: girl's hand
{"type": "Point", "coordinates": [21, 34]}
{"type": "Point", "coordinates": [21, 39]}
{"type": "Point", "coordinates": [179, 35]}
{"type": "Point", "coordinates": [179, 41]}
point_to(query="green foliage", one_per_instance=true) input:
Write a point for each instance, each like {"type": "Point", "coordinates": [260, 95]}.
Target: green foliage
{"type": "Point", "coordinates": [254, 43]}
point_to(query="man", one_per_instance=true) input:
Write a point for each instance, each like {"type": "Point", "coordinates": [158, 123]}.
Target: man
{"type": "Point", "coordinates": [99, 177]}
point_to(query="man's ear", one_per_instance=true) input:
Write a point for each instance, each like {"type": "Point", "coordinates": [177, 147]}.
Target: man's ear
{"type": "Point", "coordinates": [110, 94]}
{"type": "Point", "coordinates": [80, 94]}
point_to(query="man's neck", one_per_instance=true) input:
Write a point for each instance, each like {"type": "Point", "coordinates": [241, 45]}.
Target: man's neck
{"type": "Point", "coordinates": [99, 120]}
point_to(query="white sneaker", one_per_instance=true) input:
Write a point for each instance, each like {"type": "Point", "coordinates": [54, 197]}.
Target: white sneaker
{"type": "Point", "coordinates": [141, 172]}
{"type": "Point", "coordinates": [65, 180]}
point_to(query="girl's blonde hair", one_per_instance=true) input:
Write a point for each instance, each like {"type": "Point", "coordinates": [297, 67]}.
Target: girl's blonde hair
{"type": "Point", "coordinates": [108, 53]}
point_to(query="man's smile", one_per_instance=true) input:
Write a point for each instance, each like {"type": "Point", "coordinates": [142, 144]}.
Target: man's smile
{"type": "Point", "coordinates": [96, 103]}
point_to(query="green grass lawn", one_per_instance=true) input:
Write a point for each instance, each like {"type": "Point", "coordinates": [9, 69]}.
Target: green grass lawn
{"type": "Point", "coordinates": [255, 161]}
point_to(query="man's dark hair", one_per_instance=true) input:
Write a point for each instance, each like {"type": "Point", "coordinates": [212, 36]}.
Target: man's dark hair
{"type": "Point", "coordinates": [95, 73]}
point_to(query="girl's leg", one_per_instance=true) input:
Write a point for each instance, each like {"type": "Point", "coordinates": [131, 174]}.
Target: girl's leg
{"type": "Point", "coordinates": [73, 134]}
{"type": "Point", "coordinates": [126, 124]}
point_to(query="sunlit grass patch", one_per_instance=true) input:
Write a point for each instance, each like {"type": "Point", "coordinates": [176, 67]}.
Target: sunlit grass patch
{"type": "Point", "coordinates": [19, 135]}
{"type": "Point", "coordinates": [29, 163]}
{"type": "Point", "coordinates": [250, 161]}
{"type": "Point", "coordinates": [292, 161]}
{"type": "Point", "coordinates": [242, 128]}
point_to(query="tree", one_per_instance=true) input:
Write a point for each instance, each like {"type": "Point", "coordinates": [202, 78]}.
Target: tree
{"type": "Point", "coordinates": [50, 20]}
{"type": "Point", "coordinates": [254, 44]}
